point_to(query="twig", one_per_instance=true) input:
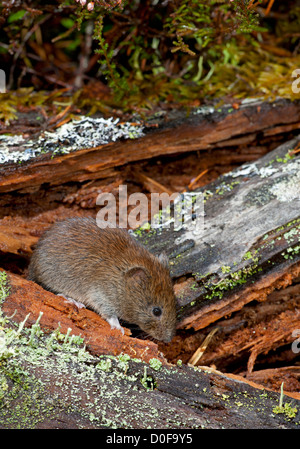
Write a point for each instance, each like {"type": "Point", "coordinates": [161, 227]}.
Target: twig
{"type": "Point", "coordinates": [154, 183]}
{"type": "Point", "coordinates": [64, 34]}
{"type": "Point", "coordinates": [60, 115]}
{"type": "Point", "coordinates": [200, 351]}
{"type": "Point", "coordinates": [194, 181]}
{"type": "Point", "coordinates": [84, 55]}
{"type": "Point", "coordinates": [296, 150]}
{"type": "Point", "coordinates": [19, 51]}
{"type": "Point", "coordinates": [50, 78]}
{"type": "Point", "coordinates": [269, 7]}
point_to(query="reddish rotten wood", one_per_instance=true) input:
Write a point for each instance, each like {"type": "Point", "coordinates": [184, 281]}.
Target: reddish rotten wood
{"type": "Point", "coordinates": [28, 297]}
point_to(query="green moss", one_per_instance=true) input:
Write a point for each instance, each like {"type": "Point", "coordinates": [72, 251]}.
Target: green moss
{"type": "Point", "coordinates": [155, 364]}
{"type": "Point", "coordinates": [233, 280]}
{"type": "Point", "coordinates": [144, 227]}
{"type": "Point", "coordinates": [290, 232]}
{"type": "Point", "coordinates": [286, 158]}
{"type": "Point", "coordinates": [105, 364]}
{"type": "Point", "coordinates": [222, 189]}
{"type": "Point", "coordinates": [21, 346]}
{"type": "Point", "coordinates": [4, 286]}
{"type": "Point", "coordinates": [85, 386]}
{"type": "Point", "coordinates": [71, 382]}
{"type": "Point", "coordinates": [287, 409]}
{"type": "Point", "coordinates": [147, 381]}
{"type": "Point", "coordinates": [225, 269]}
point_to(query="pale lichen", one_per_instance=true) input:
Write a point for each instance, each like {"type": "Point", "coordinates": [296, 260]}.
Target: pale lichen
{"type": "Point", "coordinates": [86, 132]}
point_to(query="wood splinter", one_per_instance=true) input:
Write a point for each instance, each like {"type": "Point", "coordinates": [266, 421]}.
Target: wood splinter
{"type": "Point", "coordinates": [202, 348]}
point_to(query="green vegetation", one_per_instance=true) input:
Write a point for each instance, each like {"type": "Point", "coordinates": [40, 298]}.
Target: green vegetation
{"type": "Point", "coordinates": [155, 364]}
{"type": "Point", "coordinates": [139, 54]}
{"type": "Point", "coordinates": [287, 409]}
{"type": "Point", "coordinates": [4, 286]}
{"type": "Point", "coordinates": [147, 381]}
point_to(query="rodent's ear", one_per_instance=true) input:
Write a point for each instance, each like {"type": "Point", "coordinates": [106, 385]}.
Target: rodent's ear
{"type": "Point", "coordinates": [163, 258]}
{"type": "Point", "coordinates": [137, 274]}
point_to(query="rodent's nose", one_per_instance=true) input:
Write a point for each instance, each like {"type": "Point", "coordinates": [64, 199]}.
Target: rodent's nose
{"type": "Point", "coordinates": [168, 338]}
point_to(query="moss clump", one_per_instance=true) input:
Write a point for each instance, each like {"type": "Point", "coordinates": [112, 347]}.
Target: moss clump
{"type": "Point", "coordinates": [178, 51]}
{"type": "Point", "coordinates": [233, 280]}
{"type": "Point", "coordinates": [289, 232]}
{"type": "Point", "coordinates": [155, 364]}
{"type": "Point", "coordinates": [21, 393]}
{"type": "Point", "coordinates": [105, 364]}
{"type": "Point", "coordinates": [148, 381]}
{"type": "Point", "coordinates": [287, 409]}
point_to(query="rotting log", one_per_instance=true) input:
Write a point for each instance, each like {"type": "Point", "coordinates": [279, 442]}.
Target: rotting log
{"type": "Point", "coordinates": [50, 384]}
{"type": "Point", "coordinates": [263, 326]}
{"type": "Point", "coordinates": [250, 249]}
{"type": "Point", "coordinates": [26, 297]}
{"type": "Point", "coordinates": [272, 377]}
{"type": "Point", "coordinates": [178, 133]}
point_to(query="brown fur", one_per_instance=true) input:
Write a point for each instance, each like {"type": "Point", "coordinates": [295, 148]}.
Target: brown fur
{"type": "Point", "coordinates": [107, 270]}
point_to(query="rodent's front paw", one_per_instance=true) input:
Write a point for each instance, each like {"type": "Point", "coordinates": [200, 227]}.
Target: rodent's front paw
{"type": "Point", "coordinates": [78, 304]}
{"type": "Point", "coordinates": [114, 323]}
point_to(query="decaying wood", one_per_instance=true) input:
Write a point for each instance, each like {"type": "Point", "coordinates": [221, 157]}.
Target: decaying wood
{"type": "Point", "coordinates": [58, 389]}
{"type": "Point", "coordinates": [26, 297]}
{"type": "Point", "coordinates": [240, 275]}
{"type": "Point", "coordinates": [249, 248]}
{"type": "Point", "coordinates": [179, 134]}
{"type": "Point", "coordinates": [273, 378]}
{"type": "Point", "coordinates": [16, 240]}
{"type": "Point", "coordinates": [255, 329]}
{"type": "Point", "coordinates": [259, 335]}
{"type": "Point", "coordinates": [264, 255]}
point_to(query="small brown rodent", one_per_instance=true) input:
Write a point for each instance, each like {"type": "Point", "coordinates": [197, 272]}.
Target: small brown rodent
{"type": "Point", "coordinates": [108, 271]}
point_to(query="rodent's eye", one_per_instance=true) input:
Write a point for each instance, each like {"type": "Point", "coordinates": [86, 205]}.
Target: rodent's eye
{"type": "Point", "coordinates": [156, 311]}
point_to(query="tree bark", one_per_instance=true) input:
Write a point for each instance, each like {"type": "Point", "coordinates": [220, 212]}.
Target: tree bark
{"type": "Point", "coordinates": [58, 385]}
{"type": "Point", "coordinates": [178, 133]}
